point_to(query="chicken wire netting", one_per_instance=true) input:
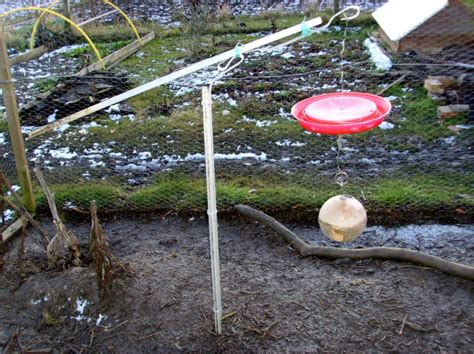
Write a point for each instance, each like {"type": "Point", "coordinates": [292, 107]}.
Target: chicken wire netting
{"type": "Point", "coordinates": [146, 154]}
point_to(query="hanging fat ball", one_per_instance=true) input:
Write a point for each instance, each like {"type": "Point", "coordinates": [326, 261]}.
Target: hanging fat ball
{"type": "Point", "coordinates": [342, 218]}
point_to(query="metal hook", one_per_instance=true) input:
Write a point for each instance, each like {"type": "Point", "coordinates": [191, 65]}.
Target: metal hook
{"type": "Point", "coordinates": [225, 66]}
{"type": "Point", "coordinates": [341, 178]}
{"type": "Point", "coordinates": [346, 18]}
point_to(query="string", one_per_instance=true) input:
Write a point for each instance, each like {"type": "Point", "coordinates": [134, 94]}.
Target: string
{"type": "Point", "coordinates": [341, 177]}
{"type": "Point", "coordinates": [341, 57]}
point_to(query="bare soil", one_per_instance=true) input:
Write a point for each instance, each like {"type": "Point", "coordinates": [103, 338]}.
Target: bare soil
{"type": "Point", "coordinates": [273, 299]}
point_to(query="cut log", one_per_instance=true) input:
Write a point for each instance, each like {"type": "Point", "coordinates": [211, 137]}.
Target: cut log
{"type": "Point", "coordinates": [389, 253]}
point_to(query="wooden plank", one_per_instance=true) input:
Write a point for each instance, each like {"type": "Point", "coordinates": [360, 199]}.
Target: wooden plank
{"type": "Point", "coordinates": [14, 126]}
{"type": "Point", "coordinates": [96, 18]}
{"type": "Point", "coordinates": [120, 54]}
{"type": "Point", "coordinates": [31, 54]}
{"type": "Point", "coordinates": [11, 230]}
{"type": "Point", "coordinates": [27, 21]}
{"type": "Point", "coordinates": [174, 76]}
{"type": "Point", "coordinates": [37, 52]}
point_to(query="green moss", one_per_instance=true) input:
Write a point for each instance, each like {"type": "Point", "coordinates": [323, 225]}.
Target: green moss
{"type": "Point", "coordinates": [81, 195]}
{"type": "Point", "coordinates": [184, 194]}
{"type": "Point", "coordinates": [422, 191]}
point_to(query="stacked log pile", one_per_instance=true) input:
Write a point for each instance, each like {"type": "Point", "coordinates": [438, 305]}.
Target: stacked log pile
{"type": "Point", "coordinates": [454, 95]}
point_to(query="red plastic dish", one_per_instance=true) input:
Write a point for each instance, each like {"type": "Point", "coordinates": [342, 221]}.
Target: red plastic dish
{"type": "Point", "coordinates": [341, 113]}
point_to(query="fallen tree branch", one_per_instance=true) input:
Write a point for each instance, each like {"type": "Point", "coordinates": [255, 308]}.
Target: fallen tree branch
{"type": "Point", "coordinates": [389, 253]}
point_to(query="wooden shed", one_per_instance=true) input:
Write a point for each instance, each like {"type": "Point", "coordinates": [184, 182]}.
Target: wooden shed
{"type": "Point", "coordinates": [426, 25]}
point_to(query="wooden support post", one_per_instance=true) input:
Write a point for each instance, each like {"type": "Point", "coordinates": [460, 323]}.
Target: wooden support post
{"type": "Point", "coordinates": [212, 206]}
{"type": "Point", "coordinates": [67, 9]}
{"type": "Point", "coordinates": [14, 126]}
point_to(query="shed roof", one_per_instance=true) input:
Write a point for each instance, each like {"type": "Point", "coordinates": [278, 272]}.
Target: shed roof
{"type": "Point", "coordinates": [399, 17]}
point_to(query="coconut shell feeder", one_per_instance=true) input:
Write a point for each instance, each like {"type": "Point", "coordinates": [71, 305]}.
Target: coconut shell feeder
{"type": "Point", "coordinates": [342, 218]}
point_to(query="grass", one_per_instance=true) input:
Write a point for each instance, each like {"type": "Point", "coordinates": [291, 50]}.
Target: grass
{"type": "Point", "coordinates": [80, 196]}
{"type": "Point", "coordinates": [183, 194]}
{"type": "Point", "coordinates": [3, 123]}
{"type": "Point", "coordinates": [46, 85]}
{"type": "Point", "coordinates": [163, 130]}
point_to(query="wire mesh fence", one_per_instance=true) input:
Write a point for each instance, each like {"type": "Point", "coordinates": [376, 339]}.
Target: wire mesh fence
{"type": "Point", "coordinates": [146, 154]}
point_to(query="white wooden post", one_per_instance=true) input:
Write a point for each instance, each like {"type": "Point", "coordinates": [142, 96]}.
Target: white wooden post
{"type": "Point", "coordinates": [212, 206]}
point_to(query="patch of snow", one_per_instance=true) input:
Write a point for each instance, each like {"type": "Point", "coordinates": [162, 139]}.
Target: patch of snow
{"type": "Point", "coordinates": [69, 205]}
{"type": "Point", "coordinates": [26, 129]}
{"type": "Point", "coordinates": [449, 140]}
{"type": "Point", "coordinates": [36, 302]}
{"type": "Point", "coordinates": [386, 126]}
{"type": "Point", "coordinates": [52, 117]}
{"type": "Point", "coordinates": [233, 156]}
{"type": "Point", "coordinates": [62, 128]}
{"type": "Point", "coordinates": [8, 214]}
{"type": "Point", "coordinates": [287, 142]}
{"type": "Point", "coordinates": [378, 57]}
{"type": "Point", "coordinates": [282, 113]}
{"type": "Point", "coordinates": [2, 138]}
{"type": "Point", "coordinates": [259, 123]}
{"type": "Point", "coordinates": [96, 163]}
{"type": "Point", "coordinates": [366, 161]}
{"type": "Point", "coordinates": [81, 305]}
{"type": "Point", "coordinates": [144, 155]}
{"type": "Point", "coordinates": [100, 319]}
{"type": "Point", "coordinates": [287, 55]}
{"type": "Point", "coordinates": [464, 126]}
{"type": "Point", "coordinates": [62, 50]}
{"type": "Point", "coordinates": [113, 108]}
{"type": "Point", "coordinates": [62, 153]}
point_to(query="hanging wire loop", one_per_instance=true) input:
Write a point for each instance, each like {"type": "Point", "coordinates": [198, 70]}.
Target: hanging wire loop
{"type": "Point", "coordinates": [341, 178]}
{"type": "Point", "coordinates": [225, 66]}
{"type": "Point", "coordinates": [307, 31]}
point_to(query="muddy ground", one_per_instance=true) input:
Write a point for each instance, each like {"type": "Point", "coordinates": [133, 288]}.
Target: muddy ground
{"type": "Point", "coordinates": [273, 299]}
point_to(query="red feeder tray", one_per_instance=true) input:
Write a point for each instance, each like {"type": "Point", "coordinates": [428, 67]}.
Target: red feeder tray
{"type": "Point", "coordinates": [341, 113]}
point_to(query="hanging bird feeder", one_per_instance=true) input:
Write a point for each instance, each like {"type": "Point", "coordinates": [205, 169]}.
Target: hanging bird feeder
{"type": "Point", "coordinates": [342, 218]}
{"type": "Point", "coordinates": [341, 113]}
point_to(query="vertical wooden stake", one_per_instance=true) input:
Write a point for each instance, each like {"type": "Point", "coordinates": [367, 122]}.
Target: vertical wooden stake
{"type": "Point", "coordinates": [67, 9]}
{"type": "Point", "coordinates": [14, 126]}
{"type": "Point", "coordinates": [212, 206]}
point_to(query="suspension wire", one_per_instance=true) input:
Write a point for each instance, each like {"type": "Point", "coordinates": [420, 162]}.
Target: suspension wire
{"type": "Point", "coordinates": [341, 177]}
{"type": "Point", "coordinates": [29, 79]}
